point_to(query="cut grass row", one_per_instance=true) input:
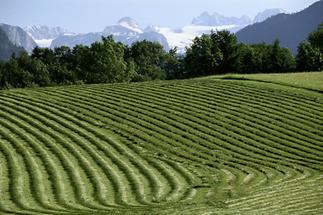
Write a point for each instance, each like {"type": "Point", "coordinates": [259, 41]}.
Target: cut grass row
{"type": "Point", "coordinates": [110, 100]}
{"type": "Point", "coordinates": [152, 147]}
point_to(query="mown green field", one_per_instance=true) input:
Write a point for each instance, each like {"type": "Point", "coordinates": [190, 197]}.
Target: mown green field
{"type": "Point", "coordinates": [307, 80]}
{"type": "Point", "coordinates": [200, 146]}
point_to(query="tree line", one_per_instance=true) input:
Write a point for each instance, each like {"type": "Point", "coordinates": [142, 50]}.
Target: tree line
{"type": "Point", "coordinates": [111, 62]}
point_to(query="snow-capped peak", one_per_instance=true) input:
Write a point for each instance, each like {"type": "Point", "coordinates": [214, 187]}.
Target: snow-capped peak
{"type": "Point", "coordinates": [130, 23]}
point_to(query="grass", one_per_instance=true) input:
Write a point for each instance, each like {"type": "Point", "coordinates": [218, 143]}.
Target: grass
{"type": "Point", "coordinates": [307, 80]}
{"type": "Point", "coordinates": [216, 145]}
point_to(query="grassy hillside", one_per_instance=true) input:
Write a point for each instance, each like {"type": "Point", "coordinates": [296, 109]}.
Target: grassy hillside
{"type": "Point", "coordinates": [307, 80]}
{"type": "Point", "coordinates": [201, 146]}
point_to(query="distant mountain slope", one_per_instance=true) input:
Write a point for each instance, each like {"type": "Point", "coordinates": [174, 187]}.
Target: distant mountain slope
{"type": "Point", "coordinates": [205, 23]}
{"type": "Point", "coordinates": [19, 37]}
{"type": "Point", "coordinates": [39, 32]}
{"type": "Point", "coordinates": [44, 35]}
{"type": "Point", "coordinates": [262, 16]}
{"type": "Point", "coordinates": [7, 47]}
{"type": "Point", "coordinates": [290, 29]}
{"type": "Point", "coordinates": [73, 40]}
{"type": "Point", "coordinates": [183, 37]}
{"type": "Point", "coordinates": [126, 31]}
{"type": "Point", "coordinates": [206, 19]}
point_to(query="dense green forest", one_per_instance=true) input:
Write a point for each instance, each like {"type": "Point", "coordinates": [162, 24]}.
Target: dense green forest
{"type": "Point", "coordinates": [110, 62]}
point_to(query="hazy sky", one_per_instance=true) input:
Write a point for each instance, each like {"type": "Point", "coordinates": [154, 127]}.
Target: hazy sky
{"type": "Point", "coordinates": [94, 15]}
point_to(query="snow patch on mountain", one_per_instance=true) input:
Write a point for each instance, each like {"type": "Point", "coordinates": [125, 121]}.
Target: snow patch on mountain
{"type": "Point", "coordinates": [44, 43]}
{"type": "Point", "coordinates": [181, 38]}
{"type": "Point", "coordinates": [127, 31]}
{"type": "Point", "coordinates": [131, 24]}
{"type": "Point", "coordinates": [44, 35]}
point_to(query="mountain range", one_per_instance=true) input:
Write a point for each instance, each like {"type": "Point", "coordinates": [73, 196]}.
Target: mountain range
{"type": "Point", "coordinates": [127, 31]}
{"type": "Point", "coordinates": [266, 26]}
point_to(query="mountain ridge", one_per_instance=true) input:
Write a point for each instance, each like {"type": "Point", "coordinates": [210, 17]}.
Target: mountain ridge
{"type": "Point", "coordinates": [217, 19]}
{"type": "Point", "coordinates": [290, 29]}
{"type": "Point", "coordinates": [18, 37]}
{"type": "Point", "coordinates": [128, 30]}
{"type": "Point", "coordinates": [264, 15]}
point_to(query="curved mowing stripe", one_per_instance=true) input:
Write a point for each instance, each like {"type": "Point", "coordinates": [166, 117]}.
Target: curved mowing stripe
{"type": "Point", "coordinates": [92, 102]}
{"type": "Point", "coordinates": [178, 147]}
{"type": "Point", "coordinates": [157, 108]}
{"type": "Point", "coordinates": [124, 168]}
